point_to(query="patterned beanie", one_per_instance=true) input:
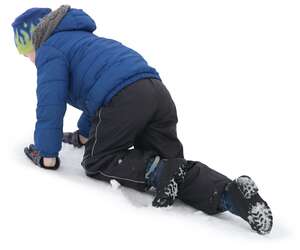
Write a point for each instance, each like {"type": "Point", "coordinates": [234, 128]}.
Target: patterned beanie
{"type": "Point", "coordinates": [24, 26]}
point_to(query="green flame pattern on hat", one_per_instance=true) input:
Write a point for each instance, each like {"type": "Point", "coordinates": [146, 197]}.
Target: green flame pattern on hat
{"type": "Point", "coordinates": [23, 38]}
{"type": "Point", "coordinates": [24, 26]}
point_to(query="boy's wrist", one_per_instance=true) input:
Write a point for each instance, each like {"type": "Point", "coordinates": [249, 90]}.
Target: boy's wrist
{"type": "Point", "coordinates": [49, 161]}
{"type": "Point", "coordinates": [82, 139]}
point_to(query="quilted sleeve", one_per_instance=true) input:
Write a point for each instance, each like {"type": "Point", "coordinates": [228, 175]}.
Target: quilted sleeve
{"type": "Point", "coordinates": [52, 90]}
{"type": "Point", "coordinates": [84, 125]}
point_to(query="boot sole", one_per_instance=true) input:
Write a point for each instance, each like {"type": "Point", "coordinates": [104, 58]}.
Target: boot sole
{"type": "Point", "coordinates": [259, 213]}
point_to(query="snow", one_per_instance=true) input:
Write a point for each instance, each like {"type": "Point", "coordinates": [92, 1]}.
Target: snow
{"type": "Point", "coordinates": [115, 184]}
{"type": "Point", "coordinates": [232, 68]}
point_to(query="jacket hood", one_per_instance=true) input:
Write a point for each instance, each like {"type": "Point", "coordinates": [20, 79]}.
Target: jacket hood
{"type": "Point", "coordinates": [62, 19]}
{"type": "Point", "coordinates": [76, 19]}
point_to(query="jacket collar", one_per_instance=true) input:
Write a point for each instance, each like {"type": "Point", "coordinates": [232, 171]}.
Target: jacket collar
{"type": "Point", "coordinates": [47, 25]}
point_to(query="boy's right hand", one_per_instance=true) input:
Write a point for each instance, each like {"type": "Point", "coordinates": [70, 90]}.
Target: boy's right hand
{"type": "Point", "coordinates": [74, 138]}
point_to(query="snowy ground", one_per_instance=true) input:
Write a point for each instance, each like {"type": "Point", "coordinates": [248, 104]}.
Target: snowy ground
{"type": "Point", "coordinates": [232, 68]}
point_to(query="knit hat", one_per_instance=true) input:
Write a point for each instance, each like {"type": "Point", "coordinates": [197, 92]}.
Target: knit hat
{"type": "Point", "coordinates": [24, 26]}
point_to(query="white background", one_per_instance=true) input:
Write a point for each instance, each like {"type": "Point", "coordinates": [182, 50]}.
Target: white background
{"type": "Point", "coordinates": [232, 68]}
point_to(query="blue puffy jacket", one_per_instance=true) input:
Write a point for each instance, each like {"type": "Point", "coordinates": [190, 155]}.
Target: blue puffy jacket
{"type": "Point", "coordinates": [75, 66]}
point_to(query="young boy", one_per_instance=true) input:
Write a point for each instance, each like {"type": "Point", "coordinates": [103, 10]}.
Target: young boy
{"type": "Point", "coordinates": [128, 121]}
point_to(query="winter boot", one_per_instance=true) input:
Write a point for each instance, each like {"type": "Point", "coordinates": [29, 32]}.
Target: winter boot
{"type": "Point", "coordinates": [170, 177]}
{"type": "Point", "coordinates": [242, 199]}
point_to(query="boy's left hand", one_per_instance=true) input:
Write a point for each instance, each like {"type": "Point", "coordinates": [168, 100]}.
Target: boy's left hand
{"type": "Point", "coordinates": [34, 155]}
{"type": "Point", "coordinates": [74, 138]}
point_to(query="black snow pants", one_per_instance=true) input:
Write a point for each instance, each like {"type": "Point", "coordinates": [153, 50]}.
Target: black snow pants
{"type": "Point", "coordinates": [137, 124]}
